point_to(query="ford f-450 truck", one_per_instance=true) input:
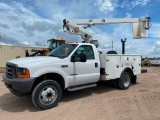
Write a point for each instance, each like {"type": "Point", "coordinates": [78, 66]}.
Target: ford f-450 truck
{"type": "Point", "coordinates": [73, 66]}
{"type": "Point", "coordinates": [70, 66]}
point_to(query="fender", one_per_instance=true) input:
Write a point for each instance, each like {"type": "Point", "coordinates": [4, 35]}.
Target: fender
{"type": "Point", "coordinates": [45, 70]}
{"type": "Point", "coordinates": [127, 68]}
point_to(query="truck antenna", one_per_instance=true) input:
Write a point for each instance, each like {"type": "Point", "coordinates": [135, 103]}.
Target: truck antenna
{"type": "Point", "coordinates": [112, 45]}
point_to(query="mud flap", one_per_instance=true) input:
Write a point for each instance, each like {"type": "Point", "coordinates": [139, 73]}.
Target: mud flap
{"type": "Point", "coordinates": [143, 70]}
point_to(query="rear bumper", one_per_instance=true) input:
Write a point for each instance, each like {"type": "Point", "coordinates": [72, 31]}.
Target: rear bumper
{"type": "Point", "coordinates": [19, 86]}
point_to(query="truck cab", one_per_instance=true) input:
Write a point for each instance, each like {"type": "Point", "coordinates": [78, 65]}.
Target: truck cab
{"type": "Point", "coordinates": [68, 65]}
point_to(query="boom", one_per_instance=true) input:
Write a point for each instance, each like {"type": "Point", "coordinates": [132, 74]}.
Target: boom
{"type": "Point", "coordinates": [74, 26]}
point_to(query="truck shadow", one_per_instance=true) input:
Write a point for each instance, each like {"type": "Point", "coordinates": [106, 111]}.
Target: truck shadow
{"type": "Point", "coordinates": [11, 103]}
{"type": "Point", "coordinates": [101, 88]}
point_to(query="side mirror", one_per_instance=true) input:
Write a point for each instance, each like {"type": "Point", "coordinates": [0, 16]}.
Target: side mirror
{"type": "Point", "coordinates": [73, 58]}
{"type": "Point", "coordinates": [83, 57]}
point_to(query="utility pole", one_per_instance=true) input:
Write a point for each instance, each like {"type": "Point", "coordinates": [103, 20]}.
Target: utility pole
{"type": "Point", "coordinates": [123, 45]}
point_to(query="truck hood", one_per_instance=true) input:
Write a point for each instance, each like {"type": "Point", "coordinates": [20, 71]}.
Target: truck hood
{"type": "Point", "coordinates": [38, 60]}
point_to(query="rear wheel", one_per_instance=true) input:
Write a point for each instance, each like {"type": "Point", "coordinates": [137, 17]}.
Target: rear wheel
{"type": "Point", "coordinates": [46, 94]}
{"type": "Point", "coordinates": [124, 81]}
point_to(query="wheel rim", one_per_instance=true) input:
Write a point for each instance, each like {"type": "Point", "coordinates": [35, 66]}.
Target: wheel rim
{"type": "Point", "coordinates": [48, 95]}
{"type": "Point", "coordinates": [126, 80]}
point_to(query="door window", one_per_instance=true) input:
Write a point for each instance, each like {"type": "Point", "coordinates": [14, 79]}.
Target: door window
{"type": "Point", "coordinates": [85, 49]}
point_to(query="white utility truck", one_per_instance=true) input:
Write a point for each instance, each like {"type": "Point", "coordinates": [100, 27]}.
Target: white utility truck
{"type": "Point", "coordinates": [74, 66]}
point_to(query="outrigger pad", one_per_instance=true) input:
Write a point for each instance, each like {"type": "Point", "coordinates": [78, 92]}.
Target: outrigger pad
{"type": "Point", "coordinates": [143, 70]}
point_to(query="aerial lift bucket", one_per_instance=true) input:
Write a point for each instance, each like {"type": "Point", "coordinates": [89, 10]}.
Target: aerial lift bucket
{"type": "Point", "coordinates": [140, 29]}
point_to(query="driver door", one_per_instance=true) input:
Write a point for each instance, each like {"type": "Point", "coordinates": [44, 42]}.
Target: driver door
{"type": "Point", "coordinates": [84, 72]}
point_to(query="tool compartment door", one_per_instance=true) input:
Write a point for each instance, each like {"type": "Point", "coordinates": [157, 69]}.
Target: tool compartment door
{"type": "Point", "coordinates": [137, 64]}
{"type": "Point", "coordinates": [133, 62]}
{"type": "Point", "coordinates": [113, 68]}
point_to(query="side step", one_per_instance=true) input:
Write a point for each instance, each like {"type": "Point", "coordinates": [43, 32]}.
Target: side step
{"type": "Point", "coordinates": [79, 87]}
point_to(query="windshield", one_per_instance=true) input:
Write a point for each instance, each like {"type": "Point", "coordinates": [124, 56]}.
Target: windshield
{"type": "Point", "coordinates": [63, 51]}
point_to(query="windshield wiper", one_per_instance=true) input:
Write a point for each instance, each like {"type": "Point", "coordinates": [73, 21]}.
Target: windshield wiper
{"type": "Point", "coordinates": [53, 55]}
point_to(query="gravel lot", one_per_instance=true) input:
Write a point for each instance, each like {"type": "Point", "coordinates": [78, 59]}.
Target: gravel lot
{"type": "Point", "coordinates": [104, 102]}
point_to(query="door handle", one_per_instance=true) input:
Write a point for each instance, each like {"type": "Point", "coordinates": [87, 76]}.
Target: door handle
{"type": "Point", "coordinates": [64, 66]}
{"type": "Point", "coordinates": [96, 65]}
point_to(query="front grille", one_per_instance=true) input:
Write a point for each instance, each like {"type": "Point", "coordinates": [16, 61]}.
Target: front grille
{"type": "Point", "coordinates": [11, 70]}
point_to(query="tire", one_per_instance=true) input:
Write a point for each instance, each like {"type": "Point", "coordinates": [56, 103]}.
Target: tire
{"type": "Point", "coordinates": [124, 81]}
{"type": "Point", "coordinates": [46, 94]}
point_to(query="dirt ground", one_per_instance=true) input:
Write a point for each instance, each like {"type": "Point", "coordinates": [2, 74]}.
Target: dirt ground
{"type": "Point", "coordinates": [2, 69]}
{"type": "Point", "coordinates": [104, 102]}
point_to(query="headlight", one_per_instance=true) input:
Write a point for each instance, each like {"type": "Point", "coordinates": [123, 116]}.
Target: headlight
{"type": "Point", "coordinates": [21, 70]}
{"type": "Point", "coordinates": [23, 73]}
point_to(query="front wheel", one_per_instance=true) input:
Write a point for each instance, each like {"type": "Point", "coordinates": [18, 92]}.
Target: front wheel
{"type": "Point", "coordinates": [46, 94]}
{"type": "Point", "coordinates": [124, 81]}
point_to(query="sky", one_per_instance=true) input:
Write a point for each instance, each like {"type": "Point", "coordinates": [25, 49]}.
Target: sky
{"type": "Point", "coordinates": [33, 22]}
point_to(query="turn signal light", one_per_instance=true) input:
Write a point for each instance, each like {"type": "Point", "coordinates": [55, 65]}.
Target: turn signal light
{"type": "Point", "coordinates": [25, 75]}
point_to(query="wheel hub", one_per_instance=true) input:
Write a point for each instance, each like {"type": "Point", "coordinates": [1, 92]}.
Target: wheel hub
{"type": "Point", "coordinates": [48, 95]}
